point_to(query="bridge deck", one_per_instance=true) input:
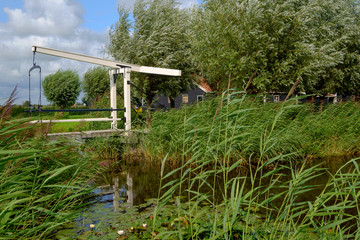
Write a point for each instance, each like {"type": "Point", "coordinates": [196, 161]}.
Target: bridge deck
{"type": "Point", "coordinates": [93, 134]}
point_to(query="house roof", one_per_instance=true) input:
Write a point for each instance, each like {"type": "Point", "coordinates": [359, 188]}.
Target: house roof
{"type": "Point", "coordinates": [203, 85]}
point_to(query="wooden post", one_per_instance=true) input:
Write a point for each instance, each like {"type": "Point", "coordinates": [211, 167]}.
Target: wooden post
{"type": "Point", "coordinates": [127, 98]}
{"type": "Point", "coordinates": [129, 191]}
{"type": "Point", "coordinates": [116, 198]}
{"type": "Point", "coordinates": [117, 68]}
{"type": "Point", "coordinates": [112, 73]}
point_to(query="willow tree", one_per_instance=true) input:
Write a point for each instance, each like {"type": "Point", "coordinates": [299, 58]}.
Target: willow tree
{"type": "Point", "coordinates": [96, 82]}
{"type": "Point", "coordinates": [273, 43]}
{"type": "Point", "coordinates": [337, 29]}
{"type": "Point", "coordinates": [62, 87]}
{"type": "Point", "coordinates": [158, 37]}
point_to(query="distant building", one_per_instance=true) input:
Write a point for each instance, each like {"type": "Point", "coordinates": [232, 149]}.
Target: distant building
{"type": "Point", "coordinates": [193, 95]}
{"type": "Point", "coordinates": [317, 99]}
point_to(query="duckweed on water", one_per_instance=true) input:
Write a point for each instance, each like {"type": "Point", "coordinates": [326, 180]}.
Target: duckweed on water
{"type": "Point", "coordinates": [133, 224]}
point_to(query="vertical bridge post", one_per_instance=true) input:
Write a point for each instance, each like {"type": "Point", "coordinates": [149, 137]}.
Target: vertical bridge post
{"type": "Point", "coordinates": [117, 68]}
{"type": "Point", "coordinates": [127, 98]}
{"type": "Point", "coordinates": [113, 74]}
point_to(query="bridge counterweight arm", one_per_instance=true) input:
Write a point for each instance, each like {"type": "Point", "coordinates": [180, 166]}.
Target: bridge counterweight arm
{"type": "Point", "coordinates": [106, 62]}
{"type": "Point", "coordinates": [116, 68]}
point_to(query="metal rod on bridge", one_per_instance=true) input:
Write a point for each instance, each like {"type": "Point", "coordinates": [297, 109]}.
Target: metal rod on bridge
{"type": "Point", "coordinates": [117, 68]}
{"type": "Point", "coordinates": [76, 110]}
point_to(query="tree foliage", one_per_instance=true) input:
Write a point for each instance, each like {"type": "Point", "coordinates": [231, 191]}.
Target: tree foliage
{"type": "Point", "coordinates": [96, 82]}
{"type": "Point", "coordinates": [275, 42]}
{"type": "Point", "coordinates": [62, 87]}
{"type": "Point", "coordinates": [158, 37]}
{"type": "Point", "coordinates": [270, 44]}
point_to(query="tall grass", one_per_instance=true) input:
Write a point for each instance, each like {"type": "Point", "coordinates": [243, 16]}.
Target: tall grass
{"type": "Point", "coordinates": [256, 156]}
{"type": "Point", "coordinates": [42, 184]}
{"type": "Point", "coordinates": [258, 130]}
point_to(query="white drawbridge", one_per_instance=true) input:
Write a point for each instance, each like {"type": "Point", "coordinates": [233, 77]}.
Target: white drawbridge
{"type": "Point", "coordinates": [116, 68]}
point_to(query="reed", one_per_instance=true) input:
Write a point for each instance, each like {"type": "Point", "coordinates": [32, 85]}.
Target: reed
{"type": "Point", "coordinates": [303, 130]}
{"type": "Point", "coordinates": [246, 174]}
{"type": "Point", "coordinates": [105, 153]}
{"type": "Point", "coordinates": [42, 184]}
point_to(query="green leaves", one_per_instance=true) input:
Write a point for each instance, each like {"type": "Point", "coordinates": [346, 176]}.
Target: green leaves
{"type": "Point", "coordinates": [96, 82]}
{"type": "Point", "coordinates": [278, 41]}
{"type": "Point", "coordinates": [62, 87]}
{"type": "Point", "coordinates": [158, 37]}
{"type": "Point", "coordinates": [247, 173]}
{"type": "Point", "coordinates": [41, 183]}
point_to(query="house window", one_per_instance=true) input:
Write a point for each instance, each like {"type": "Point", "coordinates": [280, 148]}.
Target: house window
{"type": "Point", "coordinates": [276, 98]}
{"type": "Point", "coordinates": [200, 98]}
{"type": "Point", "coordinates": [185, 98]}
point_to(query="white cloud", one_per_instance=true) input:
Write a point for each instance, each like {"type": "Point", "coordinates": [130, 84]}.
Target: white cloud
{"type": "Point", "coordinates": [58, 17]}
{"type": "Point", "coordinates": [51, 23]}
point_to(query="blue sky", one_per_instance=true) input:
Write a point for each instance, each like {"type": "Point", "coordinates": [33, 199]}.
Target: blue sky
{"type": "Point", "coordinates": [98, 14]}
{"type": "Point", "coordinates": [79, 26]}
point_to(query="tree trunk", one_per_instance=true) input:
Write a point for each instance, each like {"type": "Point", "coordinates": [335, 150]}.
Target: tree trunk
{"type": "Point", "coordinates": [148, 111]}
{"type": "Point", "coordinates": [149, 100]}
{"type": "Point", "coordinates": [172, 102]}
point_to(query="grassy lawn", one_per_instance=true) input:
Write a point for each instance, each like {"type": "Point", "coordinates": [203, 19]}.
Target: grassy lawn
{"type": "Point", "coordinates": [76, 126]}
{"type": "Point", "coordinates": [68, 127]}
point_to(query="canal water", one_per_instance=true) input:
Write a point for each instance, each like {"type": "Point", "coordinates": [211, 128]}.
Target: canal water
{"type": "Point", "coordinates": [121, 200]}
{"type": "Point", "coordinates": [126, 199]}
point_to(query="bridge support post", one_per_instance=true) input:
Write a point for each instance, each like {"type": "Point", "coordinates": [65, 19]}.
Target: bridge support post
{"type": "Point", "coordinates": [118, 68]}
{"type": "Point", "coordinates": [127, 98]}
{"type": "Point", "coordinates": [112, 73]}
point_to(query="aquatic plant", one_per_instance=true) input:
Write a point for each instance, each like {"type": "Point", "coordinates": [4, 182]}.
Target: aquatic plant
{"type": "Point", "coordinates": [305, 130]}
{"type": "Point", "coordinates": [265, 191]}
{"type": "Point", "coordinates": [42, 184]}
{"type": "Point", "coordinates": [107, 153]}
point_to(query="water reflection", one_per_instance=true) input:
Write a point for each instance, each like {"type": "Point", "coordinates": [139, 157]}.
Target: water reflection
{"type": "Point", "coordinates": [116, 197]}
{"type": "Point", "coordinates": [136, 184]}
{"type": "Point", "coordinates": [128, 188]}
{"type": "Point", "coordinates": [129, 192]}
{"type": "Point", "coordinates": [132, 187]}
{"type": "Point", "coordinates": [119, 189]}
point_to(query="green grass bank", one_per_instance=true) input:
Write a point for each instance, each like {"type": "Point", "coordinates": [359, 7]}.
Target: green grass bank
{"type": "Point", "coordinates": [242, 128]}
{"type": "Point", "coordinates": [251, 170]}
{"type": "Point", "coordinates": [43, 185]}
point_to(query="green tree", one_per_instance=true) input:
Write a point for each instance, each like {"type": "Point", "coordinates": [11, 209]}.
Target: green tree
{"type": "Point", "coordinates": [62, 87]}
{"type": "Point", "coordinates": [276, 42]}
{"type": "Point", "coordinates": [96, 82]}
{"type": "Point", "coordinates": [26, 103]}
{"type": "Point", "coordinates": [337, 28]}
{"type": "Point", "coordinates": [158, 37]}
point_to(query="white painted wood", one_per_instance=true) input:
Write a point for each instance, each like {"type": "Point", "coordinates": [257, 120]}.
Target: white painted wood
{"type": "Point", "coordinates": [83, 58]}
{"type": "Point", "coordinates": [95, 133]}
{"type": "Point", "coordinates": [117, 67]}
{"type": "Point", "coordinates": [87, 134]}
{"type": "Point", "coordinates": [74, 120]}
{"type": "Point", "coordinates": [159, 71]}
{"type": "Point", "coordinates": [113, 98]}
{"type": "Point", "coordinates": [127, 99]}
{"type": "Point", "coordinates": [106, 62]}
